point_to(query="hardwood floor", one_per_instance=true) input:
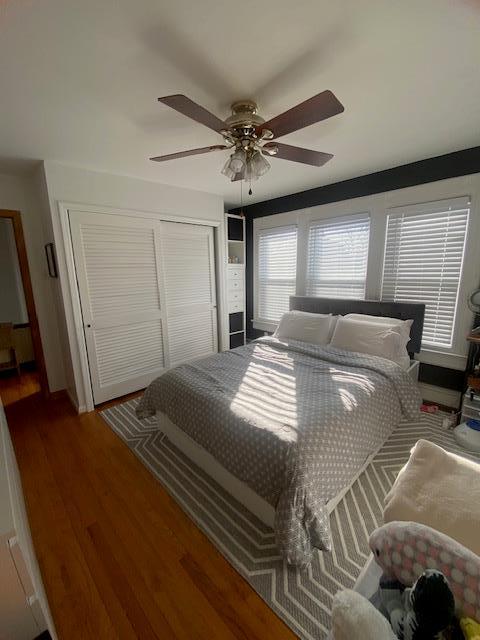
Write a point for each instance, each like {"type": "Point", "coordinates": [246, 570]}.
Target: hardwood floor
{"type": "Point", "coordinates": [118, 557]}
{"type": "Point", "coordinates": [14, 388]}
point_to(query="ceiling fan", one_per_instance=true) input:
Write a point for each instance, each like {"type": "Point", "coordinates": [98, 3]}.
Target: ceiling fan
{"type": "Point", "coordinates": [251, 138]}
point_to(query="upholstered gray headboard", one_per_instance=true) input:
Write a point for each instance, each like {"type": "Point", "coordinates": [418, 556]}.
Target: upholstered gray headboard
{"type": "Point", "coordinates": [402, 310]}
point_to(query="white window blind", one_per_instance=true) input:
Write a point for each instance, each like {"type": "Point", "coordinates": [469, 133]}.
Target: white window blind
{"type": "Point", "coordinates": [277, 266]}
{"type": "Point", "coordinates": [337, 257]}
{"type": "Point", "coordinates": [423, 262]}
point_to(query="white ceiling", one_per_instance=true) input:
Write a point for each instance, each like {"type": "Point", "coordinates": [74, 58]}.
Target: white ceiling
{"type": "Point", "coordinates": [79, 82]}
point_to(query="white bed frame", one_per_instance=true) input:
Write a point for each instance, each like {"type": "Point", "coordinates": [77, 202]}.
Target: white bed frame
{"type": "Point", "coordinates": [235, 487]}
{"type": "Point", "coordinates": [203, 459]}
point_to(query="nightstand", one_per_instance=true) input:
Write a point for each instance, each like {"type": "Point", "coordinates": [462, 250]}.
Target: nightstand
{"type": "Point", "coordinates": [470, 405]}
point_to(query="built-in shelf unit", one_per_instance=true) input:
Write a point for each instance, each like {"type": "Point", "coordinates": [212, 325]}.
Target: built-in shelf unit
{"type": "Point", "coordinates": [235, 226]}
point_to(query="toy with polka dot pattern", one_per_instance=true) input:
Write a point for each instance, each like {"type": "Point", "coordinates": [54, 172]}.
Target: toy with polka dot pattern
{"type": "Point", "coordinates": [405, 550]}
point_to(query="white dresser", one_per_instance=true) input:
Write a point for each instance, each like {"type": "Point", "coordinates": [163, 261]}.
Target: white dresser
{"type": "Point", "coordinates": [236, 287]}
{"type": "Point", "coordinates": [24, 610]}
{"type": "Point", "coordinates": [235, 252]}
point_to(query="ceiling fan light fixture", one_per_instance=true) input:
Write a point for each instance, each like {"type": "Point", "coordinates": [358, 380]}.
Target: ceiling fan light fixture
{"type": "Point", "coordinates": [236, 163]}
{"type": "Point", "coordinates": [227, 171]}
{"type": "Point", "coordinates": [270, 148]}
{"type": "Point", "coordinates": [238, 160]}
{"type": "Point", "coordinates": [239, 176]}
{"type": "Point", "coordinates": [257, 166]}
{"type": "Point", "coordinates": [266, 134]}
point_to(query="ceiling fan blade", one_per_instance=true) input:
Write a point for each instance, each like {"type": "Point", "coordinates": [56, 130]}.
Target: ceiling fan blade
{"type": "Point", "coordinates": [322, 106]}
{"type": "Point", "coordinates": [190, 152]}
{"type": "Point", "coordinates": [297, 154]}
{"type": "Point", "coordinates": [192, 110]}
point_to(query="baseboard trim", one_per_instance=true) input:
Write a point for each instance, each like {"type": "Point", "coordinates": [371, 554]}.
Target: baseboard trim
{"type": "Point", "coordinates": [58, 395]}
{"type": "Point", "coordinates": [79, 408]}
{"type": "Point", "coordinates": [66, 393]}
{"type": "Point", "coordinates": [440, 395]}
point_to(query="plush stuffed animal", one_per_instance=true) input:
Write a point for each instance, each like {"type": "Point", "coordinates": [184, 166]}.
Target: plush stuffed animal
{"type": "Point", "coordinates": [355, 618]}
{"type": "Point", "coordinates": [422, 611]}
{"type": "Point", "coordinates": [404, 550]}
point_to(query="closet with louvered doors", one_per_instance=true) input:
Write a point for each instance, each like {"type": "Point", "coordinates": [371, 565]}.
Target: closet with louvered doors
{"type": "Point", "coordinates": [188, 269]}
{"type": "Point", "coordinates": [147, 295]}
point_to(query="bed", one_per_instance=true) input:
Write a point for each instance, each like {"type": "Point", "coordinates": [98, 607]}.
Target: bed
{"type": "Point", "coordinates": [286, 426]}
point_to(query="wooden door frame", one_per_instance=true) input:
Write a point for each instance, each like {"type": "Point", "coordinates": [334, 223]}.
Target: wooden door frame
{"type": "Point", "coordinates": [16, 218]}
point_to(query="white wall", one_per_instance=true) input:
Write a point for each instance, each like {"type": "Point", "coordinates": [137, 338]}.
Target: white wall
{"type": "Point", "coordinates": [74, 185]}
{"type": "Point", "coordinates": [21, 193]}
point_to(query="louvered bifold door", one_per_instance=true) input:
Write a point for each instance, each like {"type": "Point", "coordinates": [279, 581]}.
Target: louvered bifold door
{"type": "Point", "coordinates": [118, 271]}
{"type": "Point", "coordinates": [189, 281]}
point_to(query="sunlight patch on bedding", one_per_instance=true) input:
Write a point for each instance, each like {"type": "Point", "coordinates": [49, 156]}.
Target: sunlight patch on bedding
{"type": "Point", "coordinates": [268, 399]}
{"type": "Point", "coordinates": [266, 354]}
{"type": "Point", "coordinates": [348, 399]}
{"type": "Point", "coordinates": [349, 377]}
{"type": "Point", "coordinates": [361, 381]}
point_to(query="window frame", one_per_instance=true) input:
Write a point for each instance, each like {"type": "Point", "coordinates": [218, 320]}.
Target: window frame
{"type": "Point", "coordinates": [438, 206]}
{"type": "Point", "coordinates": [341, 219]}
{"type": "Point", "coordinates": [377, 205]}
{"type": "Point", "coordinates": [264, 323]}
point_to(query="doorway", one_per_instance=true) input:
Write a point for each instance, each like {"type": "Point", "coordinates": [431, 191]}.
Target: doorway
{"type": "Point", "coordinates": [22, 364]}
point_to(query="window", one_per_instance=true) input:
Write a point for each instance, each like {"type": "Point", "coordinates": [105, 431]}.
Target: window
{"type": "Point", "coordinates": [277, 265]}
{"type": "Point", "coordinates": [337, 257]}
{"type": "Point", "coordinates": [423, 262]}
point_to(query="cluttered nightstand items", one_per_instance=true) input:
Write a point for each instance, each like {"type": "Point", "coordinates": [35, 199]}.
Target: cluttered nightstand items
{"type": "Point", "coordinates": [467, 434]}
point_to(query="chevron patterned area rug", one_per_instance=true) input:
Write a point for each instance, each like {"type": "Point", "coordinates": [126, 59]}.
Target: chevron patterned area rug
{"type": "Point", "coordinates": [302, 599]}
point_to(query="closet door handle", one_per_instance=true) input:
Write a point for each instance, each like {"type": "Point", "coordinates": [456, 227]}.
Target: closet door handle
{"type": "Point", "coordinates": [88, 326]}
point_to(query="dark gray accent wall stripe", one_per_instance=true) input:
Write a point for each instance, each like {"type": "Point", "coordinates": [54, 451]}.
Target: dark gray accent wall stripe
{"type": "Point", "coordinates": [450, 165]}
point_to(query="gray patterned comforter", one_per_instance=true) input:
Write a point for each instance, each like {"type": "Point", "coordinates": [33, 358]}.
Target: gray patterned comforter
{"type": "Point", "coordinates": [294, 421]}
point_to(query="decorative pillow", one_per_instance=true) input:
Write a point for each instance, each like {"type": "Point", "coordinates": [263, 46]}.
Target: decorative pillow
{"type": "Point", "coordinates": [316, 328]}
{"type": "Point", "coordinates": [438, 489]}
{"type": "Point", "coordinates": [376, 339]}
{"type": "Point", "coordinates": [404, 550]}
{"type": "Point", "coordinates": [353, 616]}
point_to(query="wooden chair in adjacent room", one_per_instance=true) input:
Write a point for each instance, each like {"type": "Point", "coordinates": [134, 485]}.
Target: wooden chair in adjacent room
{"type": "Point", "coordinates": [7, 344]}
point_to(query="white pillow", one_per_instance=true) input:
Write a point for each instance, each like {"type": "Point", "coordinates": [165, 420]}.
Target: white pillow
{"type": "Point", "coordinates": [316, 328]}
{"type": "Point", "coordinates": [376, 339]}
{"type": "Point", "coordinates": [405, 325]}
